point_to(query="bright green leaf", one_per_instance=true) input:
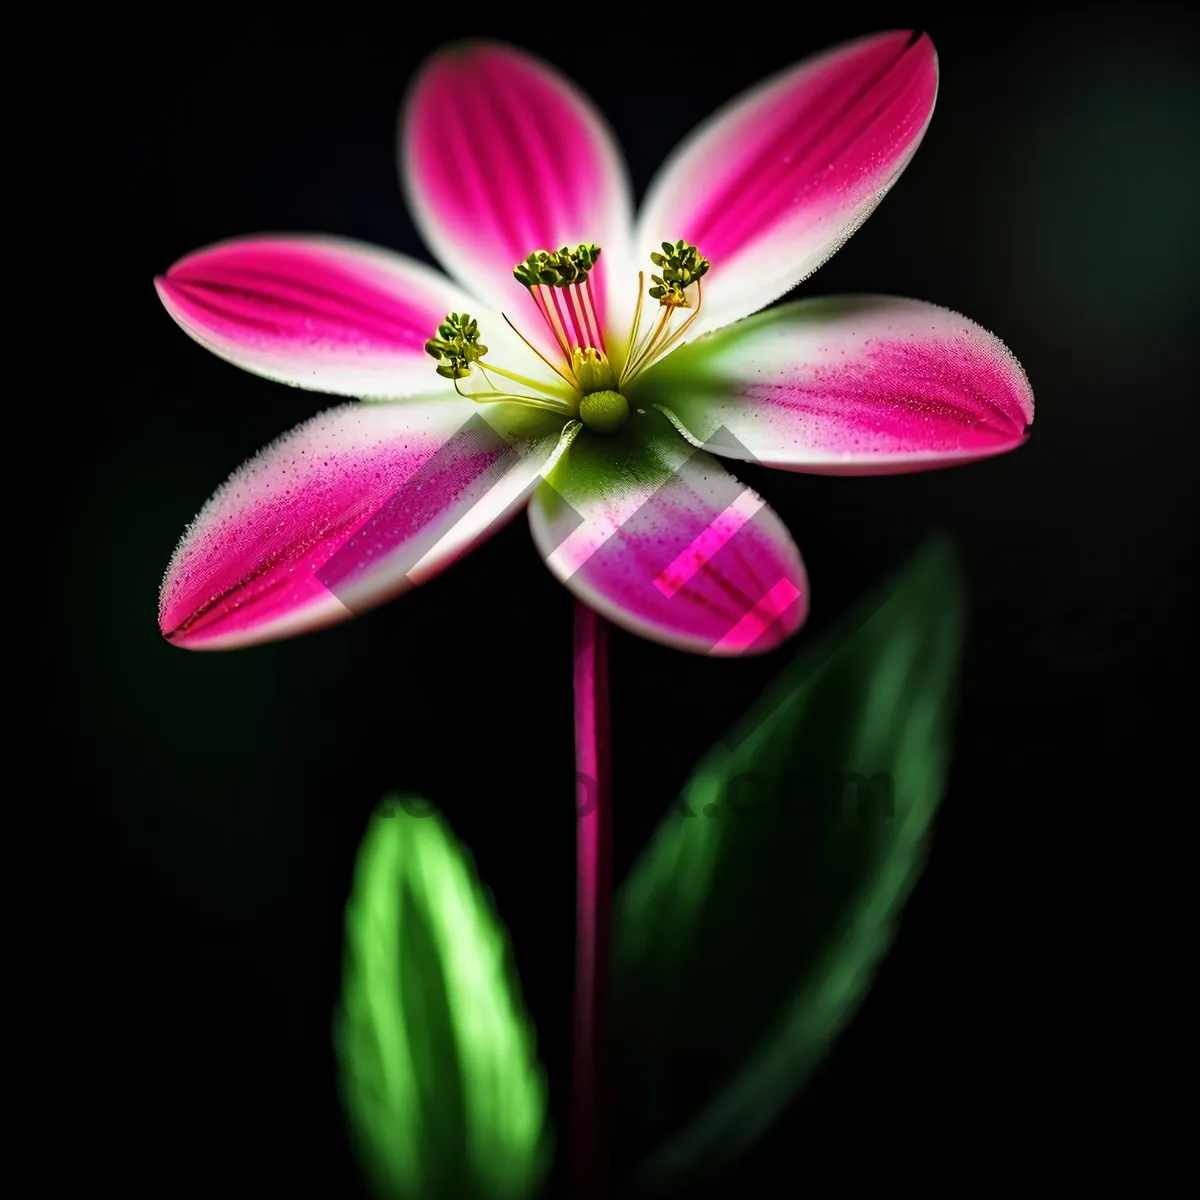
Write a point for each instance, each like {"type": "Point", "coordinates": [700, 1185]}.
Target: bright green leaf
{"type": "Point", "coordinates": [748, 932]}
{"type": "Point", "coordinates": [439, 1074]}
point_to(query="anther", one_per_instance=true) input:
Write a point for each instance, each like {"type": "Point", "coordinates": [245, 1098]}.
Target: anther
{"type": "Point", "coordinates": [456, 346]}
{"type": "Point", "coordinates": [681, 265]}
{"type": "Point", "coordinates": [557, 268]}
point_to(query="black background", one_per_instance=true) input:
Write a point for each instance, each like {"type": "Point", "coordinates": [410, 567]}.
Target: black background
{"type": "Point", "coordinates": [222, 796]}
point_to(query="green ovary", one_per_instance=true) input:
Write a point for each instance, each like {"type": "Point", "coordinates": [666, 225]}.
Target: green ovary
{"type": "Point", "coordinates": [604, 411]}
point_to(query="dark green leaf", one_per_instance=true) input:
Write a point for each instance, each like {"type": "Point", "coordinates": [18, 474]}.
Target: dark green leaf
{"type": "Point", "coordinates": [748, 932]}
{"type": "Point", "coordinates": [439, 1075]}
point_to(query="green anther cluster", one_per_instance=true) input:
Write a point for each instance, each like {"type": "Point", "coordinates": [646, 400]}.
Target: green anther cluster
{"type": "Point", "coordinates": [682, 264]}
{"type": "Point", "coordinates": [457, 346]}
{"type": "Point", "coordinates": [557, 268]}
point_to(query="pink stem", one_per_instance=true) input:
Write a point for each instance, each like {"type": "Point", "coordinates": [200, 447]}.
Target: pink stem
{"type": "Point", "coordinates": [595, 320]}
{"type": "Point", "coordinates": [593, 897]}
{"type": "Point", "coordinates": [563, 308]}
{"type": "Point", "coordinates": [577, 307]}
{"type": "Point", "coordinates": [544, 309]}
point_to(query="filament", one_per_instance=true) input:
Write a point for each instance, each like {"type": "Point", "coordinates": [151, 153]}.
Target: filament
{"type": "Point", "coordinates": [564, 378]}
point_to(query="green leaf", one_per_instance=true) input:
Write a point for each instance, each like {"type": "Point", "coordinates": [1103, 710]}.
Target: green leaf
{"type": "Point", "coordinates": [748, 932]}
{"type": "Point", "coordinates": [439, 1074]}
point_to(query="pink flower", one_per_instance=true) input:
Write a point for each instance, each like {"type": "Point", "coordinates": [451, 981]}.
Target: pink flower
{"type": "Point", "coordinates": [593, 380]}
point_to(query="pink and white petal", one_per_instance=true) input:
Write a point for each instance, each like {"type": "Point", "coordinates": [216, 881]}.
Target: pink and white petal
{"type": "Point", "coordinates": [770, 186]}
{"type": "Point", "coordinates": [854, 385]}
{"type": "Point", "coordinates": [500, 156]}
{"type": "Point", "coordinates": [355, 506]}
{"type": "Point", "coordinates": [659, 538]}
{"type": "Point", "coordinates": [323, 313]}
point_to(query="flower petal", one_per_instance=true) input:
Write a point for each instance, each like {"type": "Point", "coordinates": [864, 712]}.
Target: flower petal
{"type": "Point", "coordinates": [322, 313]}
{"type": "Point", "coordinates": [659, 538]}
{"type": "Point", "coordinates": [351, 508]}
{"type": "Point", "coordinates": [501, 156]}
{"type": "Point", "coordinates": [854, 385]}
{"type": "Point", "coordinates": [773, 184]}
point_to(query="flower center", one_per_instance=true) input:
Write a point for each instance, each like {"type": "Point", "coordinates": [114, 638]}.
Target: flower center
{"type": "Point", "coordinates": [559, 281]}
{"type": "Point", "coordinates": [604, 411]}
{"type": "Point", "coordinates": [601, 407]}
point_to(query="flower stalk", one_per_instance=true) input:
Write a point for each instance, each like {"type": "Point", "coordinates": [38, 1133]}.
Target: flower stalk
{"type": "Point", "coordinates": [593, 899]}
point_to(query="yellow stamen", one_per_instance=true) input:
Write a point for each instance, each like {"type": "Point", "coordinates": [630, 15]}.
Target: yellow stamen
{"type": "Point", "coordinates": [637, 320]}
{"type": "Point", "coordinates": [674, 338]}
{"type": "Point", "coordinates": [512, 398]}
{"type": "Point", "coordinates": [537, 385]}
{"type": "Point", "coordinates": [682, 265]}
{"type": "Point", "coordinates": [564, 378]}
{"type": "Point", "coordinates": [649, 344]}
